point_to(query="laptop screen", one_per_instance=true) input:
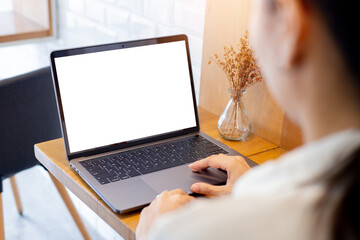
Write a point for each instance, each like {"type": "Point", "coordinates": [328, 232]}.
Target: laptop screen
{"type": "Point", "coordinates": [127, 94]}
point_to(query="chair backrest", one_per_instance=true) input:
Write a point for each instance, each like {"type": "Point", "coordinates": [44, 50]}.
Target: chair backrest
{"type": "Point", "coordinates": [28, 115]}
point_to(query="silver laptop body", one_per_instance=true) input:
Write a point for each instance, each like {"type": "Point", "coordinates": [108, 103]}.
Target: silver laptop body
{"type": "Point", "coordinates": [124, 97]}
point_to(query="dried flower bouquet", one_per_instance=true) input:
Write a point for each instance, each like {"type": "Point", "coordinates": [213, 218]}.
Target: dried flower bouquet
{"type": "Point", "coordinates": [242, 72]}
{"type": "Point", "coordinates": [239, 65]}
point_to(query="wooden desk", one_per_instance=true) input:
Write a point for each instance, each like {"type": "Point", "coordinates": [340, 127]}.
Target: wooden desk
{"type": "Point", "coordinates": [52, 155]}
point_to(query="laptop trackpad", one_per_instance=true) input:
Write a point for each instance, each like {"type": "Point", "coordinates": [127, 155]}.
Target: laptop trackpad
{"type": "Point", "coordinates": [181, 177]}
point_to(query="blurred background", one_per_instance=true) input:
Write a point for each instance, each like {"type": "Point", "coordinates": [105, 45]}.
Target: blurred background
{"type": "Point", "coordinates": [29, 31]}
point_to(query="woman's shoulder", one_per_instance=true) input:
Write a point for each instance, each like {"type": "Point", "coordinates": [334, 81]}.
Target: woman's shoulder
{"type": "Point", "coordinates": [302, 165]}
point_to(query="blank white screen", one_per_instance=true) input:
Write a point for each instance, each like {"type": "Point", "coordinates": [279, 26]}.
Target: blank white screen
{"type": "Point", "coordinates": [121, 95]}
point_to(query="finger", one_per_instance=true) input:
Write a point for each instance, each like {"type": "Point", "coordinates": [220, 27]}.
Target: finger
{"type": "Point", "coordinates": [163, 193]}
{"type": "Point", "coordinates": [144, 210]}
{"type": "Point", "coordinates": [183, 199]}
{"type": "Point", "coordinates": [191, 198]}
{"type": "Point", "coordinates": [178, 191]}
{"type": "Point", "coordinates": [207, 189]}
{"type": "Point", "coordinates": [216, 161]}
{"type": "Point", "coordinates": [201, 164]}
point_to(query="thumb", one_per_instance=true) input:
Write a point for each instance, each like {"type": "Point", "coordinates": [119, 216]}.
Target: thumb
{"type": "Point", "coordinates": [208, 189]}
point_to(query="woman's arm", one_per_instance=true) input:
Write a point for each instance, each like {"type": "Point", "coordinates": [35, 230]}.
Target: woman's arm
{"type": "Point", "coordinates": [167, 201]}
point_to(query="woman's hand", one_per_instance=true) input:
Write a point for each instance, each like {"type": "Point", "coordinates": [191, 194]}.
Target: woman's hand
{"type": "Point", "coordinates": [165, 202]}
{"type": "Point", "coordinates": [235, 166]}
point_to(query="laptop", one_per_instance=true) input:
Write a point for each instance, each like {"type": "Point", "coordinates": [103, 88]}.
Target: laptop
{"type": "Point", "coordinates": [129, 119]}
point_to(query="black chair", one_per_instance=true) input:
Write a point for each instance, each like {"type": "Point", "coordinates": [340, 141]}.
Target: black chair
{"type": "Point", "coordinates": [28, 115]}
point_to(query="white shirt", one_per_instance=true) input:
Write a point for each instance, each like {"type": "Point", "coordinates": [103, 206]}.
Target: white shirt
{"type": "Point", "coordinates": [272, 201]}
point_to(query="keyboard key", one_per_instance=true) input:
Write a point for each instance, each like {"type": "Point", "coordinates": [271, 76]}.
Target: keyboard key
{"type": "Point", "coordinates": [106, 175]}
{"type": "Point", "coordinates": [86, 164]}
{"type": "Point", "coordinates": [99, 172]}
{"type": "Point", "coordinates": [114, 179]}
{"type": "Point", "coordinates": [132, 172]}
{"type": "Point", "coordinates": [124, 177]}
{"type": "Point", "coordinates": [104, 181]}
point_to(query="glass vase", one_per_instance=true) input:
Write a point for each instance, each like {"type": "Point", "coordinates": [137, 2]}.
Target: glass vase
{"type": "Point", "coordinates": [234, 124]}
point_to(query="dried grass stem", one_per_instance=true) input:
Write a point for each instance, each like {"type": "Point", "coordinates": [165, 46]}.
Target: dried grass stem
{"type": "Point", "coordinates": [239, 65]}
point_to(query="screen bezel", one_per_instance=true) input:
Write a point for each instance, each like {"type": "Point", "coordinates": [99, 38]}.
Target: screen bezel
{"type": "Point", "coordinates": [116, 46]}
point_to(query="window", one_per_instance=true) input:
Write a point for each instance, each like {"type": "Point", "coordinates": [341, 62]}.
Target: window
{"type": "Point", "coordinates": [6, 5]}
{"type": "Point", "coordinates": [25, 19]}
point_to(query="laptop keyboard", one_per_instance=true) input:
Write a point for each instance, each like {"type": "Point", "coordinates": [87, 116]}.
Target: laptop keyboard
{"type": "Point", "coordinates": [137, 162]}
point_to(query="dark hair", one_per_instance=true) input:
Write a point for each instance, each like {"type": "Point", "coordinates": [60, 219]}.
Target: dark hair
{"type": "Point", "coordinates": [342, 190]}
{"type": "Point", "coordinates": [341, 17]}
{"type": "Point", "coordinates": [342, 184]}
